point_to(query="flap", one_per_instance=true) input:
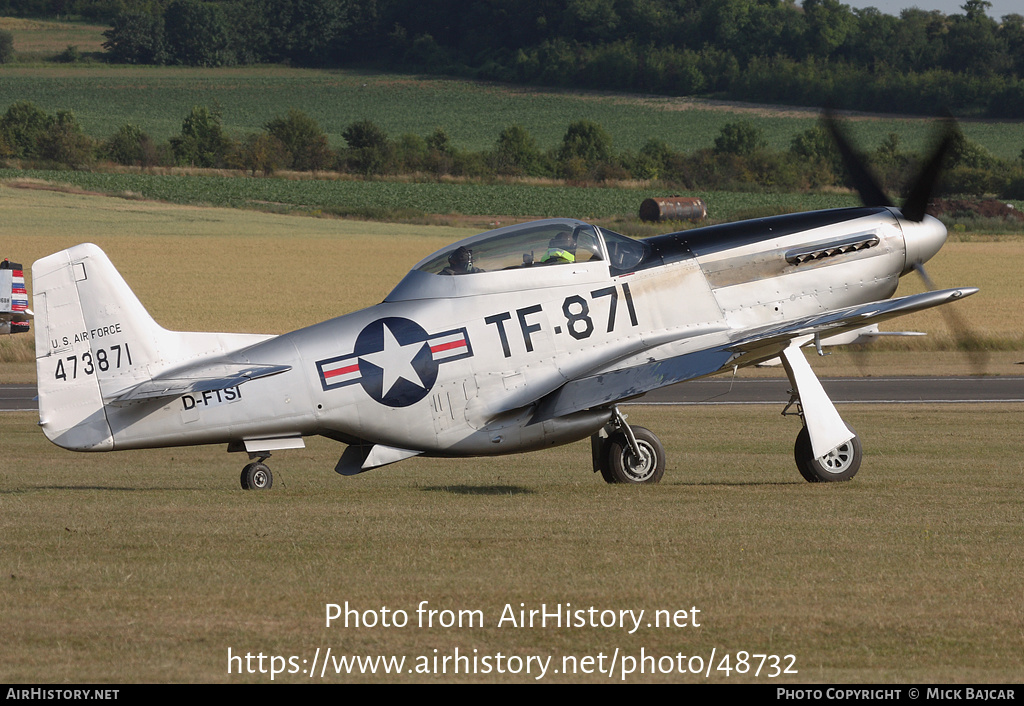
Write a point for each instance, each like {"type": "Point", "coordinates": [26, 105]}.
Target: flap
{"type": "Point", "coordinates": [364, 457]}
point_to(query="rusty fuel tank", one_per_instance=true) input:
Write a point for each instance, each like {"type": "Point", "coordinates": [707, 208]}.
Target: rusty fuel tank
{"type": "Point", "coordinates": [673, 208]}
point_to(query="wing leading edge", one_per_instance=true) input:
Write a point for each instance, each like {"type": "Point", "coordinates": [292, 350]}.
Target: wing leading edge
{"type": "Point", "coordinates": [754, 345]}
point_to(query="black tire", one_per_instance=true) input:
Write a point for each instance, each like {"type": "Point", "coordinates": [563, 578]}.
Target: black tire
{"type": "Point", "coordinates": [599, 447]}
{"type": "Point", "coordinates": [839, 465]}
{"type": "Point", "coordinates": [256, 476]}
{"type": "Point", "coordinates": [620, 466]}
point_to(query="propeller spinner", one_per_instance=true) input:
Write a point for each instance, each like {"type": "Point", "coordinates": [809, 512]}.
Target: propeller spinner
{"type": "Point", "coordinates": [923, 235]}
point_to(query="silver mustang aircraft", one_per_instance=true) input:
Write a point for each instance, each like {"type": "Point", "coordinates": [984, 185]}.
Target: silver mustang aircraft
{"type": "Point", "coordinates": [516, 339]}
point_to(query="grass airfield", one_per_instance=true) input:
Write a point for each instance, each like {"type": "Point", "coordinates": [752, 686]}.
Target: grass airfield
{"type": "Point", "coordinates": [149, 566]}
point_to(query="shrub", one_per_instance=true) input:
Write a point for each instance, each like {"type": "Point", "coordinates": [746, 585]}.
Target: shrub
{"type": "Point", "coordinates": [967, 153]}
{"type": "Point", "coordinates": [132, 147]}
{"type": "Point", "coordinates": [364, 133]}
{"type": "Point", "coordinates": [516, 152]}
{"type": "Point", "coordinates": [438, 141]}
{"type": "Point", "coordinates": [70, 55]}
{"type": "Point", "coordinates": [586, 140]}
{"type": "Point", "coordinates": [136, 38]}
{"type": "Point", "coordinates": [816, 144]}
{"type": "Point", "coordinates": [22, 128]}
{"type": "Point", "coordinates": [202, 142]}
{"type": "Point", "coordinates": [65, 143]}
{"type": "Point", "coordinates": [369, 150]}
{"type": "Point", "coordinates": [968, 181]}
{"type": "Point", "coordinates": [740, 138]}
{"type": "Point", "coordinates": [302, 139]}
{"type": "Point", "coordinates": [653, 160]}
{"type": "Point", "coordinates": [261, 152]}
{"type": "Point", "coordinates": [6, 47]}
{"type": "Point", "coordinates": [411, 153]}
{"type": "Point", "coordinates": [1014, 188]}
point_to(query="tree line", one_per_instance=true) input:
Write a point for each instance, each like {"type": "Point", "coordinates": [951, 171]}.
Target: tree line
{"type": "Point", "coordinates": [739, 160]}
{"type": "Point", "coordinates": [771, 50]}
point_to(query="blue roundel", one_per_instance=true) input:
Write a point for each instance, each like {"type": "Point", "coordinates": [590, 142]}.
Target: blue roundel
{"type": "Point", "coordinates": [395, 363]}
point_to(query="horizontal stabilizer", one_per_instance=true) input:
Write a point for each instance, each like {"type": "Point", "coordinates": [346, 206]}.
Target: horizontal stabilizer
{"type": "Point", "coordinates": [206, 378]}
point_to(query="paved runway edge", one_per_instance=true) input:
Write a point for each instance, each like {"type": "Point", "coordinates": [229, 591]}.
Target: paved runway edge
{"type": "Point", "coordinates": [889, 390]}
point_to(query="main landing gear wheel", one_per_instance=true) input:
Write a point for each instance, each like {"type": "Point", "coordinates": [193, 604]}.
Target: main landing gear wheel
{"type": "Point", "coordinates": [842, 463]}
{"type": "Point", "coordinates": [257, 476]}
{"type": "Point", "coordinates": [620, 465]}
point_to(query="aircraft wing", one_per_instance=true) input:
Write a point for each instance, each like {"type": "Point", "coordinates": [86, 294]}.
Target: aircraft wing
{"type": "Point", "coordinates": [848, 319]}
{"type": "Point", "coordinates": [664, 367]}
{"type": "Point", "coordinates": [204, 378]}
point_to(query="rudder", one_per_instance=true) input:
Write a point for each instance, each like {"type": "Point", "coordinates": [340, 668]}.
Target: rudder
{"type": "Point", "coordinates": [93, 339]}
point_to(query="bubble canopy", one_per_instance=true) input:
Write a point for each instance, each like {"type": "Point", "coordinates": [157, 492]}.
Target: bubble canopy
{"type": "Point", "coordinates": [523, 257]}
{"type": "Point", "coordinates": [535, 244]}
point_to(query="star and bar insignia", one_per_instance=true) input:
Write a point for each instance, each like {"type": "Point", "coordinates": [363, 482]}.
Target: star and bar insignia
{"type": "Point", "coordinates": [395, 360]}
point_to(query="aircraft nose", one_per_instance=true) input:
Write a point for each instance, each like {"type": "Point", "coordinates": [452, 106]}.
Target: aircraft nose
{"type": "Point", "coordinates": [922, 240]}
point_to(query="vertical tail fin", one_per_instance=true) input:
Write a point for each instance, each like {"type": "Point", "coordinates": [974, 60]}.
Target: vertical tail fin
{"type": "Point", "coordinates": [95, 341]}
{"type": "Point", "coordinates": [93, 337]}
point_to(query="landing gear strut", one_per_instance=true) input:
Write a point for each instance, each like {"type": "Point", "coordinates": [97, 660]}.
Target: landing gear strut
{"type": "Point", "coordinates": [827, 449]}
{"type": "Point", "coordinates": [625, 454]}
{"type": "Point", "coordinates": [841, 463]}
{"type": "Point", "coordinates": [257, 476]}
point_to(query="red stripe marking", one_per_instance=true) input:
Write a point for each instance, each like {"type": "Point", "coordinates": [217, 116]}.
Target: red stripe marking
{"type": "Point", "coordinates": [341, 371]}
{"type": "Point", "coordinates": [461, 343]}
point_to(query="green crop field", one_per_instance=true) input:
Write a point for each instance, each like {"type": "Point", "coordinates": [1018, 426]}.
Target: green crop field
{"type": "Point", "coordinates": [473, 113]}
{"type": "Point", "coordinates": [355, 196]}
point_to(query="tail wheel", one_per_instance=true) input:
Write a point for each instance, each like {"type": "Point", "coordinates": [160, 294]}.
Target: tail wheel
{"type": "Point", "coordinates": [620, 464]}
{"type": "Point", "coordinates": [842, 463]}
{"type": "Point", "coordinates": [257, 476]}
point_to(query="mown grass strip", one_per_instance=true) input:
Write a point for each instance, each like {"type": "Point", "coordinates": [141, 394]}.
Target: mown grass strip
{"type": "Point", "coordinates": [148, 566]}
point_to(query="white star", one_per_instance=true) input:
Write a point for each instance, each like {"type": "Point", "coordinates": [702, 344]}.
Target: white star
{"type": "Point", "coordinates": [395, 361]}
